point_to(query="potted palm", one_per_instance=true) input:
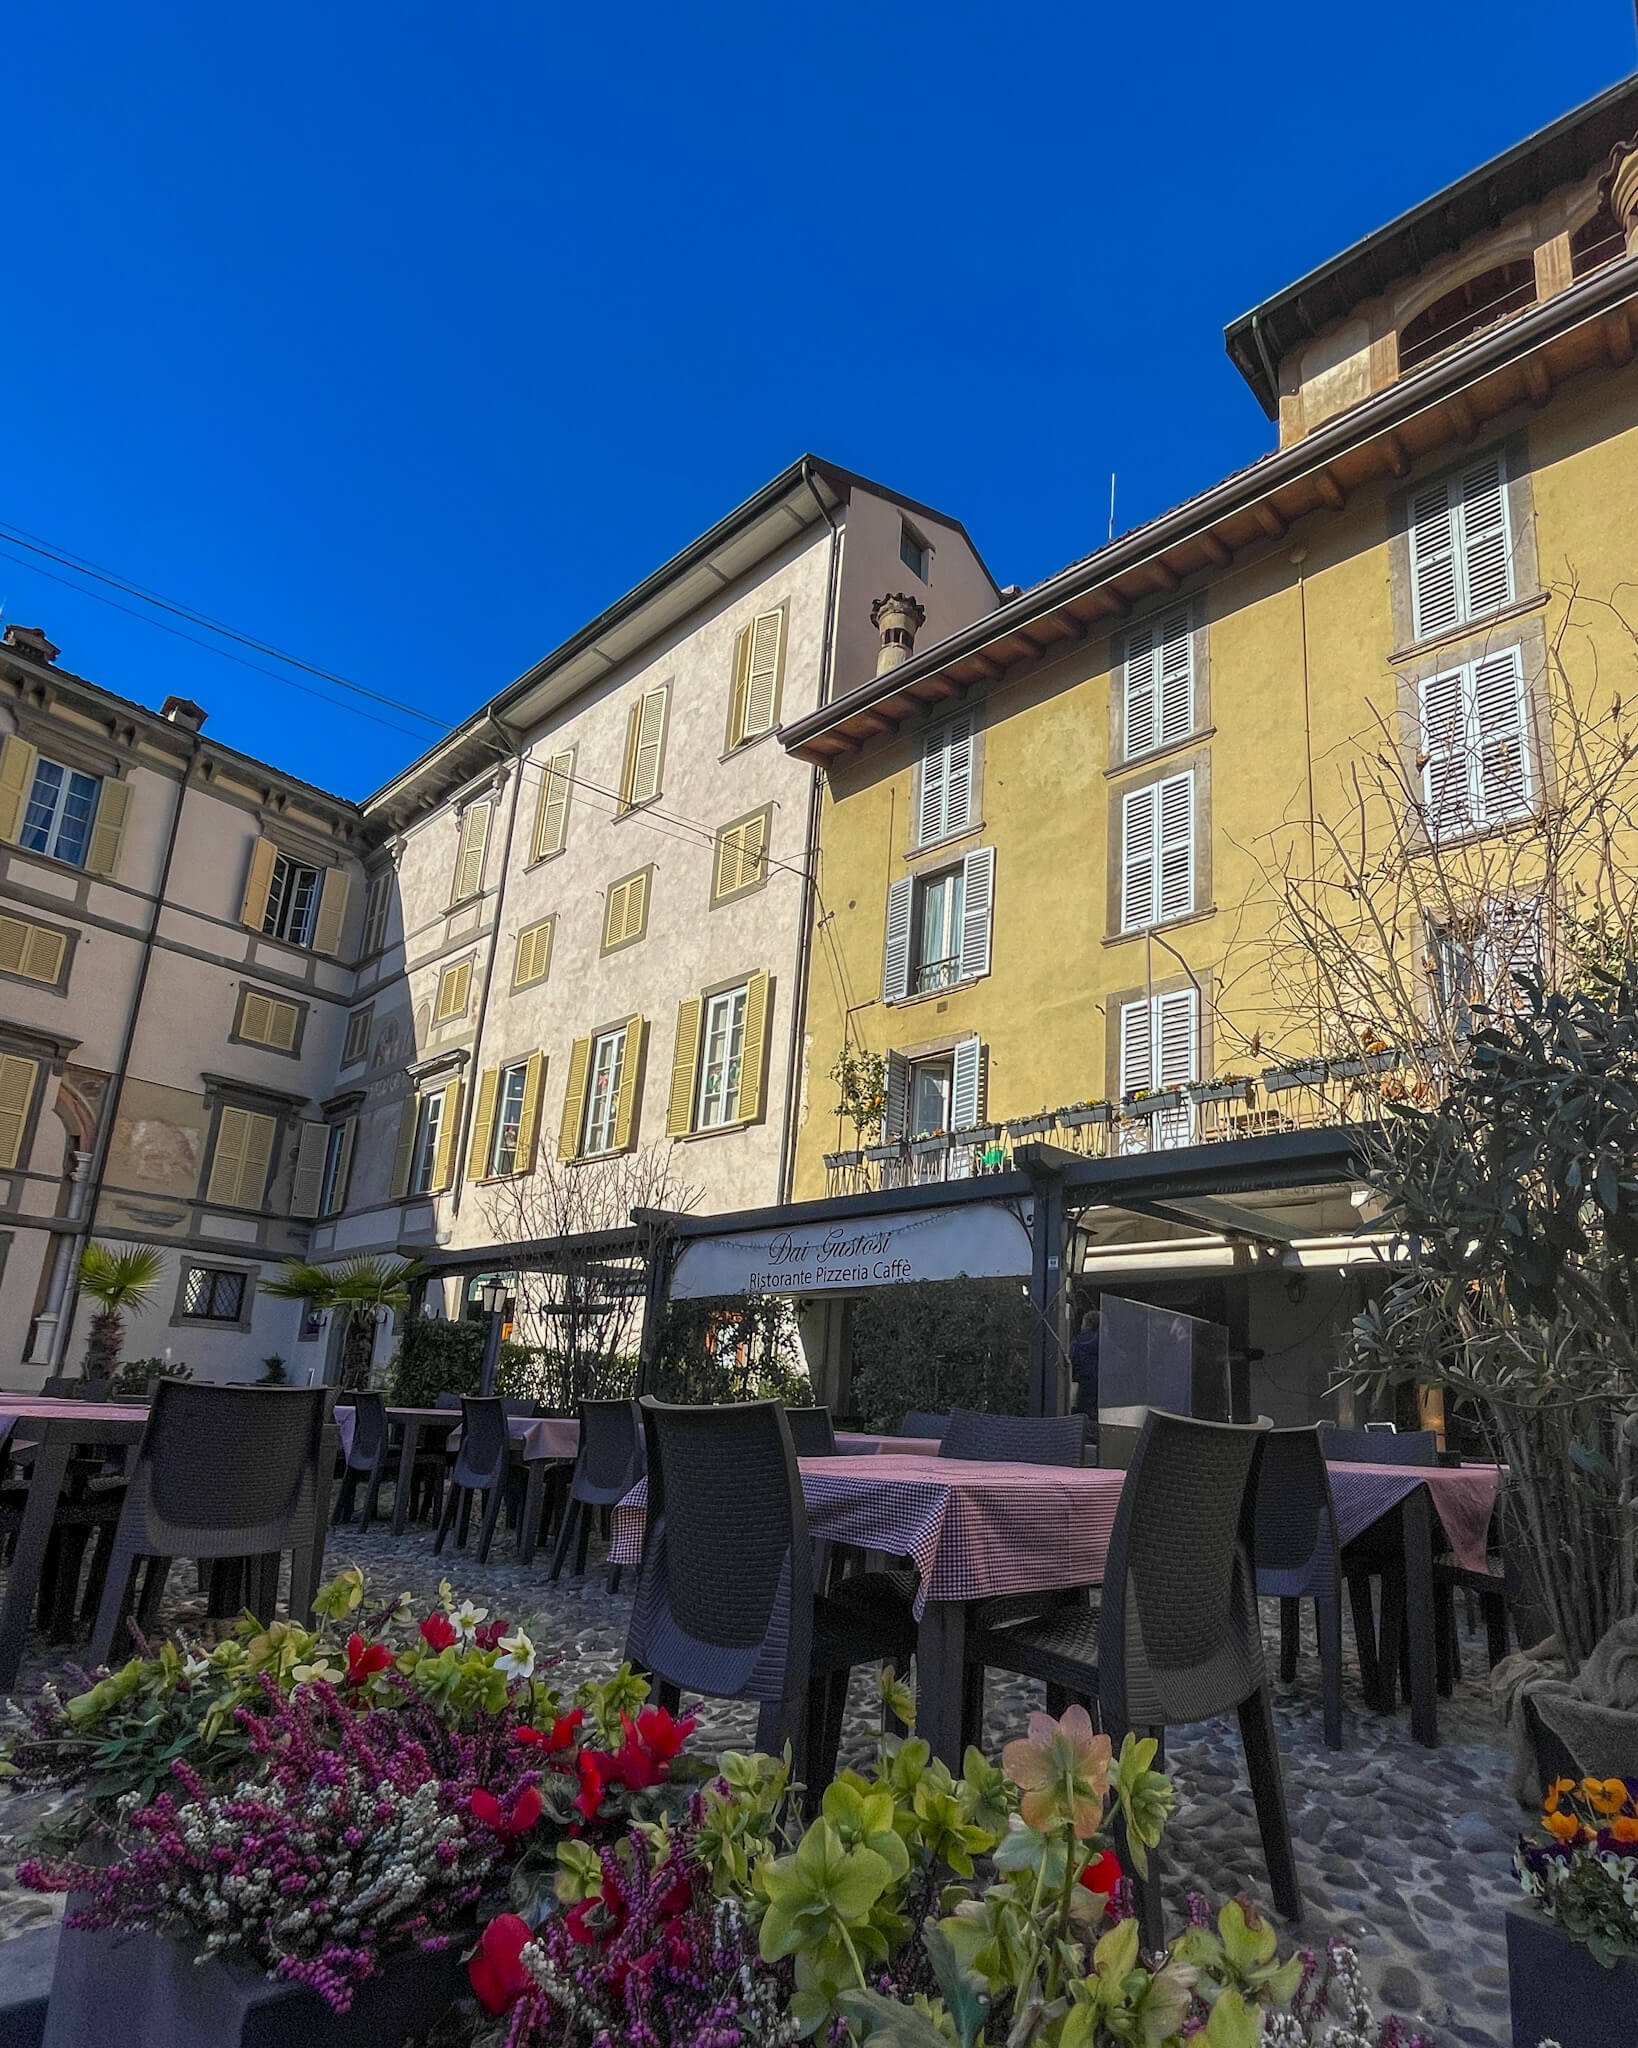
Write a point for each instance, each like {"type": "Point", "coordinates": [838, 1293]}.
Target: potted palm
{"type": "Point", "coordinates": [120, 1279]}
{"type": "Point", "coordinates": [362, 1290]}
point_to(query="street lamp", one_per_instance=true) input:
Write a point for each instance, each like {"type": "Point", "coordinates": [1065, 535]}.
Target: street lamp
{"type": "Point", "coordinates": [492, 1294]}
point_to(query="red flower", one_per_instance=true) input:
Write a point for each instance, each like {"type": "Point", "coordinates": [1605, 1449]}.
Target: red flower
{"type": "Point", "coordinates": [438, 1631]}
{"type": "Point", "coordinates": [497, 1972]}
{"type": "Point", "coordinates": [632, 1766]}
{"type": "Point", "coordinates": [1102, 1873]}
{"type": "Point", "coordinates": [593, 1782]}
{"type": "Point", "coordinates": [364, 1660]}
{"type": "Point", "coordinates": [553, 1740]}
{"type": "Point", "coordinates": [577, 1922]}
{"type": "Point", "coordinates": [488, 1634]}
{"type": "Point", "coordinates": [526, 1809]}
{"type": "Point", "coordinates": [659, 1734]}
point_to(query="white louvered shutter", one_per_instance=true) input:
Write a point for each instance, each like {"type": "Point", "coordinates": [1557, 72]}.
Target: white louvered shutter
{"type": "Point", "coordinates": [897, 1094]}
{"type": "Point", "coordinates": [1136, 1047]}
{"type": "Point", "coordinates": [1435, 597]}
{"type": "Point", "coordinates": [935, 762]}
{"type": "Point", "coordinates": [762, 684]}
{"type": "Point", "coordinates": [1486, 545]}
{"type": "Point", "coordinates": [1176, 686]}
{"type": "Point", "coordinates": [1513, 946]}
{"type": "Point", "coordinates": [1444, 754]}
{"type": "Point", "coordinates": [1175, 854]}
{"type": "Point", "coordinates": [967, 1085]}
{"type": "Point", "coordinates": [977, 907]}
{"type": "Point", "coordinates": [1501, 765]}
{"type": "Point", "coordinates": [1175, 1037]}
{"type": "Point", "coordinates": [1137, 858]}
{"type": "Point", "coordinates": [1142, 721]}
{"type": "Point", "coordinates": [958, 776]}
{"type": "Point", "coordinates": [896, 943]}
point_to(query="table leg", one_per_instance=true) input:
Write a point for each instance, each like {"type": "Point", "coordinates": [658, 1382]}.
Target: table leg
{"type": "Point", "coordinates": [1416, 1521]}
{"type": "Point", "coordinates": [407, 1450]}
{"type": "Point", "coordinates": [534, 1496]}
{"type": "Point", "coordinates": [34, 1533]}
{"type": "Point", "coordinates": [941, 1660]}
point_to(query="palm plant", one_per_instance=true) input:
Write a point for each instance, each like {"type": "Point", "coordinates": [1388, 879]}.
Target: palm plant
{"type": "Point", "coordinates": [119, 1278]}
{"type": "Point", "coordinates": [358, 1289]}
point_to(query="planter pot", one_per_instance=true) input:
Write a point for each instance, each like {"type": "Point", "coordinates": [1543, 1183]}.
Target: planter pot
{"type": "Point", "coordinates": [928, 1148]}
{"type": "Point", "coordinates": [1028, 1126]}
{"type": "Point", "coordinates": [1077, 1119]}
{"type": "Point", "coordinates": [1558, 1993]}
{"type": "Point", "coordinates": [1221, 1091]}
{"type": "Point", "coordinates": [1309, 1076]}
{"type": "Point", "coordinates": [979, 1136]}
{"type": "Point", "coordinates": [1152, 1105]}
{"type": "Point", "coordinates": [147, 1991]}
{"type": "Point", "coordinates": [838, 1162]}
{"type": "Point", "coordinates": [878, 1153]}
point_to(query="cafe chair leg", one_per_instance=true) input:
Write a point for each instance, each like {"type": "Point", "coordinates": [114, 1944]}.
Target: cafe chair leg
{"type": "Point", "coordinates": [452, 1499]}
{"type": "Point", "coordinates": [1328, 1628]}
{"type": "Point", "coordinates": [1268, 1796]}
{"type": "Point", "coordinates": [492, 1506]}
{"type": "Point", "coordinates": [1290, 1638]}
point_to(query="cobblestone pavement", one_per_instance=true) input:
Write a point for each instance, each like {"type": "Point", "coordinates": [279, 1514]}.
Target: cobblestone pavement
{"type": "Point", "coordinates": [1405, 1852]}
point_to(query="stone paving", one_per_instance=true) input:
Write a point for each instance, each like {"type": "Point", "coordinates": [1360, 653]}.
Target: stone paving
{"type": "Point", "coordinates": [1405, 1852]}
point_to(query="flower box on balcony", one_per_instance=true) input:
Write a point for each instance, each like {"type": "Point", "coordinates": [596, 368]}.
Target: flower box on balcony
{"type": "Point", "coordinates": [1238, 1090]}
{"type": "Point", "coordinates": [1382, 1062]}
{"type": "Point", "coordinates": [1029, 1126]}
{"type": "Point", "coordinates": [839, 1162]}
{"type": "Point", "coordinates": [1082, 1114]}
{"type": "Point", "coordinates": [1309, 1075]}
{"type": "Point", "coordinates": [978, 1136]}
{"type": "Point", "coordinates": [1152, 1104]}
{"type": "Point", "coordinates": [879, 1155]}
{"type": "Point", "coordinates": [925, 1148]}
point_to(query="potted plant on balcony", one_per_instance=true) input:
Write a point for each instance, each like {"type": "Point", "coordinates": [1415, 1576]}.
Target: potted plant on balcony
{"type": "Point", "coordinates": [930, 1144]}
{"type": "Point", "coordinates": [1301, 1074]}
{"type": "Point", "coordinates": [1030, 1126]}
{"type": "Point", "coordinates": [861, 1086]}
{"type": "Point", "coordinates": [1077, 1115]}
{"type": "Point", "coordinates": [1572, 1947]}
{"type": "Point", "coordinates": [1149, 1102]}
{"type": "Point", "coordinates": [1226, 1088]}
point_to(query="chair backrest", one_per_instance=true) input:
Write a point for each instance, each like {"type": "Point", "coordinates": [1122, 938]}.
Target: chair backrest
{"type": "Point", "coordinates": [725, 1602]}
{"type": "Point", "coordinates": [611, 1452]}
{"type": "Point", "coordinates": [92, 1390]}
{"type": "Point", "coordinates": [1180, 1638]}
{"type": "Point", "coordinates": [486, 1444]}
{"type": "Point", "coordinates": [369, 1445]}
{"type": "Point", "coordinates": [1296, 1542]}
{"type": "Point", "coordinates": [59, 1387]}
{"type": "Point", "coordinates": [1378, 1447]}
{"type": "Point", "coordinates": [516, 1404]}
{"type": "Point", "coordinates": [923, 1422]}
{"type": "Point", "coordinates": [1015, 1439]}
{"type": "Point", "coordinates": [813, 1432]}
{"type": "Point", "coordinates": [450, 1402]}
{"type": "Point", "coordinates": [226, 1470]}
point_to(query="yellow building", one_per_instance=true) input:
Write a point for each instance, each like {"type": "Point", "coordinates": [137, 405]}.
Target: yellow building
{"type": "Point", "coordinates": [1052, 845]}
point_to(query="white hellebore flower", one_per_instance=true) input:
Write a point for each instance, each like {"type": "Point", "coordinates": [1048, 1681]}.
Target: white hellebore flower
{"type": "Point", "coordinates": [195, 1667]}
{"type": "Point", "coordinates": [467, 1618]}
{"type": "Point", "coordinates": [517, 1655]}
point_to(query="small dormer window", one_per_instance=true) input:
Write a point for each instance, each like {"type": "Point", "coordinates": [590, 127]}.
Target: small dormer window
{"type": "Point", "coordinates": [1596, 242]}
{"type": "Point", "coordinates": [914, 552]}
{"type": "Point", "coordinates": [1475, 304]}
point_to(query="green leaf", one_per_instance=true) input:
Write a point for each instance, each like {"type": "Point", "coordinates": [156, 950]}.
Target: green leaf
{"type": "Point", "coordinates": [1233, 2023]}
{"type": "Point", "coordinates": [886, 2021]}
{"type": "Point", "coordinates": [965, 1996]}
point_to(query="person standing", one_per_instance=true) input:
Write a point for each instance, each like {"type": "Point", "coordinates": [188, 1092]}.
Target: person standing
{"type": "Point", "coordinates": [1083, 1364]}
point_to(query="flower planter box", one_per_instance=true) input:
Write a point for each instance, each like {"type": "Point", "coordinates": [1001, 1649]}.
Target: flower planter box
{"type": "Point", "coordinates": [926, 1148]}
{"type": "Point", "coordinates": [1152, 1105]}
{"type": "Point", "coordinates": [979, 1136]}
{"type": "Point", "coordinates": [1028, 1126]}
{"type": "Point", "coordinates": [1309, 1076]}
{"type": "Point", "coordinates": [1089, 1113]}
{"type": "Point", "coordinates": [839, 1162]}
{"type": "Point", "coordinates": [1559, 1993]}
{"type": "Point", "coordinates": [879, 1154]}
{"type": "Point", "coordinates": [1382, 1062]}
{"type": "Point", "coordinates": [1221, 1091]}
{"type": "Point", "coordinates": [147, 1991]}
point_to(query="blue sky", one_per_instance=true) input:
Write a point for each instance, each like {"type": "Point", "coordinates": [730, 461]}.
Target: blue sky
{"type": "Point", "coordinates": [408, 338]}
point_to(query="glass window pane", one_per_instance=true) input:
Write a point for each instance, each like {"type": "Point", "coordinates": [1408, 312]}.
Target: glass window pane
{"type": "Point", "coordinates": [603, 1094]}
{"type": "Point", "coordinates": [508, 1120]}
{"type": "Point", "coordinates": [929, 1098]}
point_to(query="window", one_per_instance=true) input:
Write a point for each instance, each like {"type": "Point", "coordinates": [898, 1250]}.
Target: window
{"type": "Point", "coordinates": [603, 1092]}
{"type": "Point", "coordinates": [551, 833]}
{"type": "Point", "coordinates": [1474, 304]}
{"type": "Point", "coordinates": [357, 1042]}
{"type": "Point", "coordinates": [1476, 755]}
{"type": "Point", "coordinates": [938, 927]}
{"type": "Point", "coordinates": [645, 748]}
{"type": "Point", "coordinates": [600, 1103]}
{"type": "Point", "coordinates": [1159, 1048]}
{"type": "Point", "coordinates": [470, 847]}
{"type": "Point", "coordinates": [944, 802]}
{"type": "Point", "coordinates": [716, 1070]}
{"type": "Point", "coordinates": [759, 660]}
{"type": "Point", "coordinates": [454, 993]}
{"type": "Point", "coordinates": [268, 1020]}
{"type": "Point", "coordinates": [428, 1143]}
{"type": "Point", "coordinates": [1158, 694]}
{"type": "Point", "coordinates": [18, 1078]}
{"type": "Point", "coordinates": [509, 1094]}
{"type": "Point", "coordinates": [507, 1119]}
{"type": "Point", "coordinates": [241, 1158]}
{"type": "Point", "coordinates": [213, 1294]}
{"type": "Point", "coordinates": [33, 952]}
{"type": "Point", "coordinates": [292, 901]}
{"type": "Point", "coordinates": [741, 856]}
{"type": "Point", "coordinates": [62, 806]}
{"type": "Point", "coordinates": [1461, 548]}
{"type": "Point", "coordinates": [428, 1131]}
{"type": "Point", "coordinates": [625, 911]}
{"type": "Point", "coordinates": [1157, 852]}
{"type": "Point", "coordinates": [1474, 961]}
{"type": "Point", "coordinates": [377, 902]}
{"type": "Point", "coordinates": [533, 958]}
{"type": "Point", "coordinates": [914, 552]}
{"type": "Point", "coordinates": [942, 1093]}
{"type": "Point", "coordinates": [721, 1055]}
{"type": "Point", "coordinates": [338, 1159]}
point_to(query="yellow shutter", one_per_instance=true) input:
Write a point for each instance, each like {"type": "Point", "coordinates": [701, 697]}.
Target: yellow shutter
{"type": "Point", "coordinates": [727, 877]}
{"type": "Point", "coordinates": [454, 992]}
{"type": "Point", "coordinates": [534, 954]}
{"type": "Point", "coordinates": [626, 916]}
{"type": "Point", "coordinates": [258, 884]}
{"type": "Point", "coordinates": [108, 827]}
{"type": "Point", "coordinates": [762, 685]}
{"type": "Point", "coordinates": [404, 1152]}
{"type": "Point", "coordinates": [470, 851]}
{"type": "Point", "coordinates": [753, 1055]}
{"type": "Point", "coordinates": [534, 1081]}
{"type": "Point", "coordinates": [742, 676]}
{"type": "Point", "coordinates": [332, 910]}
{"type": "Point", "coordinates": [283, 1022]}
{"type": "Point", "coordinates": [449, 1139]}
{"type": "Point", "coordinates": [258, 1161]}
{"type": "Point", "coordinates": [645, 747]}
{"type": "Point", "coordinates": [17, 764]}
{"type": "Point", "coordinates": [32, 950]}
{"type": "Point", "coordinates": [685, 1059]}
{"type": "Point", "coordinates": [239, 1165]}
{"type": "Point", "coordinates": [574, 1101]}
{"type": "Point", "coordinates": [344, 1166]}
{"type": "Point", "coordinates": [552, 807]}
{"type": "Point", "coordinates": [17, 1078]}
{"type": "Point", "coordinates": [625, 1106]}
{"type": "Point", "coordinates": [307, 1180]}
{"type": "Point", "coordinates": [483, 1125]}
{"type": "Point", "coordinates": [753, 847]}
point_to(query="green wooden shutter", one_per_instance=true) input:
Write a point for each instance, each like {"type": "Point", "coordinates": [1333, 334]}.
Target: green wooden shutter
{"type": "Point", "coordinates": [685, 1059]}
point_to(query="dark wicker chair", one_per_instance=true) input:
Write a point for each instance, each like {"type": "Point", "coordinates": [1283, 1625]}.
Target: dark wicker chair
{"type": "Point", "coordinates": [483, 1464]}
{"type": "Point", "coordinates": [450, 1403]}
{"type": "Point", "coordinates": [1379, 1446]}
{"type": "Point", "coordinates": [1177, 1637]}
{"type": "Point", "coordinates": [516, 1405]}
{"type": "Point", "coordinates": [923, 1422]}
{"type": "Point", "coordinates": [608, 1467]}
{"type": "Point", "coordinates": [813, 1432]}
{"type": "Point", "coordinates": [86, 1515]}
{"type": "Point", "coordinates": [1016, 1439]}
{"type": "Point", "coordinates": [726, 1604]}
{"type": "Point", "coordinates": [1298, 1559]}
{"type": "Point", "coordinates": [366, 1461]}
{"type": "Point", "coordinates": [221, 1472]}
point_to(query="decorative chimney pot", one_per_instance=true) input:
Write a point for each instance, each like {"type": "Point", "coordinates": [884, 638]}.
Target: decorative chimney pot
{"type": "Point", "coordinates": [31, 641]}
{"type": "Point", "coordinates": [898, 619]}
{"type": "Point", "coordinates": [184, 712]}
{"type": "Point", "coordinates": [1621, 183]}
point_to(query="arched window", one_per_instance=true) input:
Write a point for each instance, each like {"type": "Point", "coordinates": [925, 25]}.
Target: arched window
{"type": "Point", "coordinates": [1598, 240]}
{"type": "Point", "coordinates": [1474, 304]}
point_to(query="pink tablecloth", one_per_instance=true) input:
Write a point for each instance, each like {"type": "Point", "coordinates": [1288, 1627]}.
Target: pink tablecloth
{"type": "Point", "coordinates": [1463, 1496]}
{"type": "Point", "coordinates": [974, 1529]}
{"type": "Point", "coordinates": [43, 1408]}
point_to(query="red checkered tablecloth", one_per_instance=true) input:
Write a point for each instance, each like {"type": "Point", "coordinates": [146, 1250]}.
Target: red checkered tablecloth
{"type": "Point", "coordinates": [1463, 1499]}
{"type": "Point", "coordinates": [974, 1530]}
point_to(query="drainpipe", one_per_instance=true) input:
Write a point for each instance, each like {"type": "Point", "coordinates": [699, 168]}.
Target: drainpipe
{"type": "Point", "coordinates": [74, 1244]}
{"type": "Point", "coordinates": [810, 858]}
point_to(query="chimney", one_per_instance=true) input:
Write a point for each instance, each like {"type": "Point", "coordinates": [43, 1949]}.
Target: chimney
{"type": "Point", "coordinates": [30, 641]}
{"type": "Point", "coordinates": [899, 619]}
{"type": "Point", "coordinates": [183, 711]}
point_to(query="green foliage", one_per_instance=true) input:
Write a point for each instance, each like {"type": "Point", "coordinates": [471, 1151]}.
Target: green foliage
{"type": "Point", "coordinates": [137, 1377]}
{"type": "Point", "coordinates": [941, 1344]}
{"type": "Point", "coordinates": [731, 1350]}
{"type": "Point", "coordinates": [120, 1279]}
{"type": "Point", "coordinates": [436, 1358]}
{"type": "Point", "coordinates": [861, 1085]}
{"type": "Point", "coordinates": [273, 1372]}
